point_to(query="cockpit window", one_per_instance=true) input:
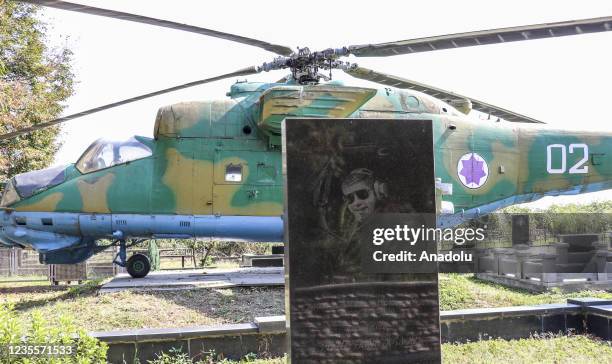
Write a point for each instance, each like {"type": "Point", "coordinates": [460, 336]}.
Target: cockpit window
{"type": "Point", "coordinates": [107, 153]}
{"type": "Point", "coordinates": [10, 196]}
{"type": "Point", "coordinates": [27, 184]}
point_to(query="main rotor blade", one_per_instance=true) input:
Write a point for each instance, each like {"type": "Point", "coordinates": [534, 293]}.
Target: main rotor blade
{"type": "Point", "coordinates": [279, 49]}
{"type": "Point", "coordinates": [402, 83]}
{"type": "Point", "coordinates": [483, 37]}
{"type": "Point", "coordinates": [242, 72]}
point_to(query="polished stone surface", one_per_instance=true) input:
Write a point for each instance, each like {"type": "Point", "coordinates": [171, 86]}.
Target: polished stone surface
{"type": "Point", "coordinates": [344, 178]}
{"type": "Point", "coordinates": [589, 301]}
{"type": "Point", "coordinates": [600, 326]}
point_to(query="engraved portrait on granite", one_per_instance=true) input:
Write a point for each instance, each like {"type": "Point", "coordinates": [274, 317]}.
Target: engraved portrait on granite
{"type": "Point", "coordinates": [342, 176]}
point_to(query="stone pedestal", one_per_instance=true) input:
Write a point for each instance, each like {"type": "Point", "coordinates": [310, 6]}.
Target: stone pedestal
{"type": "Point", "coordinates": [522, 256]}
{"type": "Point", "coordinates": [562, 250]}
{"type": "Point", "coordinates": [601, 260]}
{"type": "Point", "coordinates": [549, 274]}
{"type": "Point", "coordinates": [498, 253]}
{"type": "Point", "coordinates": [580, 242]}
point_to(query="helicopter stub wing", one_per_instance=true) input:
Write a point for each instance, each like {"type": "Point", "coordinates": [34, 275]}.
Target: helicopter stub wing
{"type": "Point", "coordinates": [451, 97]}
{"type": "Point", "coordinates": [483, 37]}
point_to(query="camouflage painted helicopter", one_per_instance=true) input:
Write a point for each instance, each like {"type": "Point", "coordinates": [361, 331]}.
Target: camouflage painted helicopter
{"type": "Point", "coordinates": [213, 169]}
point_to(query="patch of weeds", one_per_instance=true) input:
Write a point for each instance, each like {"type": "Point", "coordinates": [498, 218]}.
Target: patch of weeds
{"type": "Point", "coordinates": [176, 356]}
{"type": "Point", "coordinates": [455, 293]}
{"type": "Point", "coordinates": [538, 349]}
{"type": "Point", "coordinates": [86, 288]}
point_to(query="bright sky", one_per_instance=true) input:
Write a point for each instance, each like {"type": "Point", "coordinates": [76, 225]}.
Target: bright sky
{"type": "Point", "coordinates": [563, 82]}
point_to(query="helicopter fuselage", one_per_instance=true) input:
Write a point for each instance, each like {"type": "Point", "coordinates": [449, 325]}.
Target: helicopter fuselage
{"type": "Point", "coordinates": [214, 169]}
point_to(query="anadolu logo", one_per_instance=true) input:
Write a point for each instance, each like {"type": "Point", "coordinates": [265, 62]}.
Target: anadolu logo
{"type": "Point", "coordinates": [472, 170]}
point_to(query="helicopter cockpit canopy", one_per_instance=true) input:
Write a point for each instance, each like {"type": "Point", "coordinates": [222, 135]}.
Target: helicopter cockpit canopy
{"type": "Point", "coordinates": [104, 153]}
{"type": "Point", "coordinates": [27, 184]}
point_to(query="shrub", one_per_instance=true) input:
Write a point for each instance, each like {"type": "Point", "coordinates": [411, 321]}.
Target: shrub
{"type": "Point", "coordinates": [36, 330]}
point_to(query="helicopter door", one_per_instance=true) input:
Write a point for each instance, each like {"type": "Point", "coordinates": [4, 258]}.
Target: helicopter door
{"type": "Point", "coordinates": [183, 179]}
{"type": "Point", "coordinates": [247, 183]}
{"type": "Point", "coordinates": [230, 173]}
{"type": "Point", "coordinates": [203, 183]}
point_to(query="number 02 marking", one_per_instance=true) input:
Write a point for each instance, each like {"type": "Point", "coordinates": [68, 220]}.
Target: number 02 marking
{"type": "Point", "coordinates": [577, 168]}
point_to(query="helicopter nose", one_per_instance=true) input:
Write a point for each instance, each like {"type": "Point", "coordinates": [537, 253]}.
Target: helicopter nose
{"type": "Point", "coordinates": [5, 221]}
{"type": "Point", "coordinates": [4, 218]}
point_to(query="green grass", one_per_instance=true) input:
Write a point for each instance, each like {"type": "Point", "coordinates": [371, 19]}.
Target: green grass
{"type": "Point", "coordinates": [459, 291]}
{"type": "Point", "coordinates": [143, 309]}
{"type": "Point", "coordinates": [124, 310]}
{"type": "Point", "coordinates": [129, 309]}
{"type": "Point", "coordinates": [561, 349]}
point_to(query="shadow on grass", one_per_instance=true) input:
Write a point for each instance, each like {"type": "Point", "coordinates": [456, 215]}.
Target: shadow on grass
{"type": "Point", "coordinates": [483, 282]}
{"type": "Point", "coordinates": [89, 288]}
{"type": "Point", "coordinates": [32, 289]}
{"type": "Point", "coordinates": [229, 305]}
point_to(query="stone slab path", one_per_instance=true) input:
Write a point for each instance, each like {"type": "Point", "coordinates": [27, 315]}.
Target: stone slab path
{"type": "Point", "coordinates": [198, 278]}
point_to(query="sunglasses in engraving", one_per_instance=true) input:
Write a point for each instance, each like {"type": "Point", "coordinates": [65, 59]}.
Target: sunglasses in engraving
{"type": "Point", "coordinates": [359, 194]}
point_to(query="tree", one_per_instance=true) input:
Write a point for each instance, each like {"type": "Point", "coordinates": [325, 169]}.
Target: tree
{"type": "Point", "coordinates": [34, 81]}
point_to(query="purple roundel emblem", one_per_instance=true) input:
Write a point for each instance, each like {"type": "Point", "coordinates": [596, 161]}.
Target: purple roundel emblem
{"type": "Point", "coordinates": [472, 170]}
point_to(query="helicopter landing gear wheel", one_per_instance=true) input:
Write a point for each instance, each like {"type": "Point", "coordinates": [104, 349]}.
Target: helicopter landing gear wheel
{"type": "Point", "coordinates": [138, 266]}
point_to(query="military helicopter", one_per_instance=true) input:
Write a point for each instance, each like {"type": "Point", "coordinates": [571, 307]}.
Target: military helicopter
{"type": "Point", "coordinates": [213, 168]}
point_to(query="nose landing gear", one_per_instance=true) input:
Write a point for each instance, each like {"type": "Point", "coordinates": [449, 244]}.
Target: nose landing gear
{"type": "Point", "coordinates": [138, 266]}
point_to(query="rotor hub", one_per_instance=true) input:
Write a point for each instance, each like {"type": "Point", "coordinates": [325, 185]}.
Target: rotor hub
{"type": "Point", "coordinates": [305, 65]}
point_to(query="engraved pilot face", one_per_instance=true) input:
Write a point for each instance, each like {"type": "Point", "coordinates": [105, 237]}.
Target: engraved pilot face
{"type": "Point", "coordinates": [361, 199]}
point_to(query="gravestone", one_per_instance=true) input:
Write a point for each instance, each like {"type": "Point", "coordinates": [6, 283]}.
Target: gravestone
{"type": "Point", "coordinates": [520, 229]}
{"type": "Point", "coordinates": [345, 178]}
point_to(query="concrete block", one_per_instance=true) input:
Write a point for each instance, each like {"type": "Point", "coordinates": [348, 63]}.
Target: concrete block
{"type": "Point", "coordinates": [589, 301]}
{"type": "Point", "coordinates": [575, 323]}
{"type": "Point", "coordinates": [121, 353]}
{"type": "Point", "coordinates": [506, 328]}
{"type": "Point", "coordinates": [227, 346]}
{"type": "Point", "coordinates": [600, 326]}
{"type": "Point", "coordinates": [271, 324]}
{"type": "Point", "coordinates": [554, 323]}
{"type": "Point", "coordinates": [147, 351]}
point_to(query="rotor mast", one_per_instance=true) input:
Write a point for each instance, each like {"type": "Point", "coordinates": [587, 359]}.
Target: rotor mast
{"type": "Point", "coordinates": [305, 65]}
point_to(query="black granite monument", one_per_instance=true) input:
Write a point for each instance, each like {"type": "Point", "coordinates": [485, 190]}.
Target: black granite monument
{"type": "Point", "coordinates": [344, 179]}
{"type": "Point", "coordinates": [520, 229]}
